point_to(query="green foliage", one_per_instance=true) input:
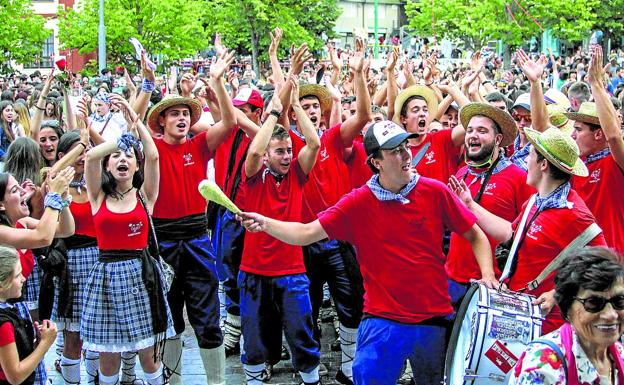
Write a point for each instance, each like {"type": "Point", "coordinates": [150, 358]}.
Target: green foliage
{"type": "Point", "coordinates": [22, 33]}
{"type": "Point", "coordinates": [245, 24]}
{"type": "Point", "coordinates": [477, 21]}
{"type": "Point", "coordinates": [173, 29]}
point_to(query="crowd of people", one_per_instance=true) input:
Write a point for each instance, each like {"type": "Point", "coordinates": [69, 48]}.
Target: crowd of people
{"type": "Point", "coordinates": [394, 189]}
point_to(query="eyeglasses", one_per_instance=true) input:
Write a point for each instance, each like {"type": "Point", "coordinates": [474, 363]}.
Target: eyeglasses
{"type": "Point", "coordinates": [595, 303]}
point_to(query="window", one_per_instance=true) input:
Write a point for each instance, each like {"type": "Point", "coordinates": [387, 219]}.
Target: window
{"type": "Point", "coordinates": [44, 60]}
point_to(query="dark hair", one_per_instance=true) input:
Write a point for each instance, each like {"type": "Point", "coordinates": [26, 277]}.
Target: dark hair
{"type": "Point", "coordinates": [279, 133]}
{"type": "Point", "coordinates": [590, 268]}
{"type": "Point", "coordinates": [4, 183]}
{"type": "Point", "coordinates": [498, 97]}
{"type": "Point", "coordinates": [407, 101]}
{"type": "Point", "coordinates": [109, 183]}
{"type": "Point", "coordinates": [66, 141]}
{"type": "Point", "coordinates": [554, 171]}
{"type": "Point", "coordinates": [23, 160]}
{"type": "Point", "coordinates": [379, 110]}
{"type": "Point", "coordinates": [579, 90]}
{"type": "Point", "coordinates": [377, 155]}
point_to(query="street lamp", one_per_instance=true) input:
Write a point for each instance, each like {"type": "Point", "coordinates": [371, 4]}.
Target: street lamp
{"type": "Point", "coordinates": [101, 39]}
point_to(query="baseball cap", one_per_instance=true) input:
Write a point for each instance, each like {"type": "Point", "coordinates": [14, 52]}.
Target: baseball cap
{"type": "Point", "coordinates": [552, 96]}
{"type": "Point", "coordinates": [247, 95]}
{"type": "Point", "coordinates": [524, 101]}
{"type": "Point", "coordinates": [385, 135]}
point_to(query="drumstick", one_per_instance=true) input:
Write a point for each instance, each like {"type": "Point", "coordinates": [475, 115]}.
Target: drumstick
{"type": "Point", "coordinates": [211, 192]}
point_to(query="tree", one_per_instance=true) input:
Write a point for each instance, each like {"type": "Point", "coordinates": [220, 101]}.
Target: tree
{"type": "Point", "coordinates": [513, 21]}
{"type": "Point", "coordinates": [22, 34]}
{"type": "Point", "coordinates": [170, 28]}
{"type": "Point", "coordinates": [610, 20]}
{"type": "Point", "coordinates": [245, 24]}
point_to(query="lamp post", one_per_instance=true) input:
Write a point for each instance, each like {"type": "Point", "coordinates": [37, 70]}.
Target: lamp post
{"type": "Point", "coordinates": [101, 39]}
{"type": "Point", "coordinates": [376, 50]}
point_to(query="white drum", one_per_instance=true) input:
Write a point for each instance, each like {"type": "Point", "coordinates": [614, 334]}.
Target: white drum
{"type": "Point", "coordinates": [491, 330]}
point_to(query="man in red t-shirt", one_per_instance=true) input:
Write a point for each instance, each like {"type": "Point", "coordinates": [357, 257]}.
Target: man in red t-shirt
{"type": "Point", "coordinates": [494, 182]}
{"type": "Point", "coordinates": [393, 221]}
{"type": "Point", "coordinates": [597, 133]}
{"type": "Point", "coordinates": [180, 221]}
{"type": "Point", "coordinates": [557, 217]}
{"type": "Point", "coordinates": [272, 280]}
{"type": "Point", "coordinates": [330, 261]}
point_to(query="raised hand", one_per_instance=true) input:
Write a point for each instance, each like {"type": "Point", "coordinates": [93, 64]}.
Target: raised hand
{"type": "Point", "coordinates": [333, 56]}
{"type": "Point", "coordinates": [219, 47]}
{"type": "Point", "coordinates": [294, 90]}
{"type": "Point", "coordinates": [276, 37]}
{"type": "Point", "coordinates": [146, 71]}
{"type": "Point", "coordinates": [60, 182]}
{"type": "Point", "coordinates": [532, 70]}
{"type": "Point", "coordinates": [460, 189]}
{"type": "Point", "coordinates": [298, 58]}
{"type": "Point", "coordinates": [596, 72]}
{"type": "Point", "coordinates": [218, 67]}
{"type": "Point", "coordinates": [392, 59]}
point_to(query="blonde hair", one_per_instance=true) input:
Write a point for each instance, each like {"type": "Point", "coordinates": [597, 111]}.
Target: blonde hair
{"type": "Point", "coordinates": [8, 259]}
{"type": "Point", "coordinates": [24, 116]}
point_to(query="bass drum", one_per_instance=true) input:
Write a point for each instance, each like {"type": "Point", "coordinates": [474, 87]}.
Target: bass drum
{"type": "Point", "coordinates": [490, 332]}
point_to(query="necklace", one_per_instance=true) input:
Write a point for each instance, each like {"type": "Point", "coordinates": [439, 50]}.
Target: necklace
{"type": "Point", "coordinates": [123, 194]}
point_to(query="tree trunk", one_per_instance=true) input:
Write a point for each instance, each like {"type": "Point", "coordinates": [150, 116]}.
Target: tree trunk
{"type": "Point", "coordinates": [506, 56]}
{"type": "Point", "coordinates": [255, 41]}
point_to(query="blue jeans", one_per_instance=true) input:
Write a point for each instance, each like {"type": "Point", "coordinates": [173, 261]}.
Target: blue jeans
{"type": "Point", "coordinates": [269, 304]}
{"type": "Point", "coordinates": [384, 345]}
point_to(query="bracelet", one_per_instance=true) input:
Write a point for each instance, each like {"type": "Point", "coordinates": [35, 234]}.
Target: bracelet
{"type": "Point", "coordinates": [428, 85]}
{"type": "Point", "coordinates": [148, 86]}
{"type": "Point", "coordinates": [66, 202]}
{"type": "Point", "coordinates": [54, 201]}
{"type": "Point", "coordinates": [84, 145]}
{"type": "Point", "coordinates": [275, 113]}
{"type": "Point", "coordinates": [39, 108]}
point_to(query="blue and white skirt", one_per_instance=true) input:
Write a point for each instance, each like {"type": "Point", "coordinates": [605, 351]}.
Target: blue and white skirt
{"type": "Point", "coordinates": [32, 287]}
{"type": "Point", "coordinates": [116, 316]}
{"type": "Point", "coordinates": [80, 263]}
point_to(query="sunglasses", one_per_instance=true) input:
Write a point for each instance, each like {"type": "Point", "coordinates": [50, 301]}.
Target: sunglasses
{"type": "Point", "coordinates": [595, 304]}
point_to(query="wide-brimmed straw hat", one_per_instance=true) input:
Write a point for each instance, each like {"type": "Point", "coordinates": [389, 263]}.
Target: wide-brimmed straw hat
{"type": "Point", "coordinates": [502, 118]}
{"type": "Point", "coordinates": [322, 93]}
{"type": "Point", "coordinates": [425, 92]}
{"type": "Point", "coordinates": [170, 101]}
{"type": "Point", "coordinates": [558, 118]}
{"type": "Point", "coordinates": [587, 114]}
{"type": "Point", "coordinates": [559, 148]}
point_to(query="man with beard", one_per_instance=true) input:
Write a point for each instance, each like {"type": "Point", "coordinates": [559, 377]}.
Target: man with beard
{"type": "Point", "coordinates": [494, 182]}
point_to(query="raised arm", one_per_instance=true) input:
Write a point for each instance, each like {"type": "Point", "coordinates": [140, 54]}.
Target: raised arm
{"type": "Point", "coordinates": [293, 233]}
{"type": "Point", "coordinates": [70, 116]}
{"type": "Point", "coordinates": [307, 155]}
{"type": "Point", "coordinates": [354, 125]}
{"type": "Point", "coordinates": [93, 172]}
{"type": "Point", "coordinates": [609, 122]}
{"type": "Point", "coordinates": [259, 144]}
{"type": "Point", "coordinates": [148, 86]}
{"type": "Point", "coordinates": [533, 71]}
{"type": "Point", "coordinates": [35, 122]}
{"type": "Point", "coordinates": [392, 89]}
{"type": "Point", "coordinates": [336, 63]}
{"type": "Point", "coordinates": [276, 69]}
{"type": "Point", "coordinates": [336, 110]}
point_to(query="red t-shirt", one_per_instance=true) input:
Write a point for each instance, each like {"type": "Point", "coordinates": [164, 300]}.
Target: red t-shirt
{"type": "Point", "coordinates": [7, 337]}
{"type": "Point", "coordinates": [602, 192]}
{"type": "Point", "coordinates": [26, 256]}
{"type": "Point", "coordinates": [359, 173]}
{"type": "Point", "coordinates": [182, 167]}
{"type": "Point", "coordinates": [399, 247]}
{"type": "Point", "coordinates": [121, 231]}
{"type": "Point", "coordinates": [440, 160]}
{"type": "Point", "coordinates": [329, 179]}
{"type": "Point", "coordinates": [222, 159]}
{"type": "Point", "coordinates": [551, 232]}
{"type": "Point", "coordinates": [504, 196]}
{"type": "Point", "coordinates": [263, 254]}
{"type": "Point", "coordinates": [83, 218]}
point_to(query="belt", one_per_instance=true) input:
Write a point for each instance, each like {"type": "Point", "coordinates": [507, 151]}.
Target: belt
{"type": "Point", "coordinates": [78, 241]}
{"type": "Point", "coordinates": [181, 229]}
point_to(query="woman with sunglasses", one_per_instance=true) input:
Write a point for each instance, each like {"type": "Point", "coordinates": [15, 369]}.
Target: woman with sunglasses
{"type": "Point", "coordinates": [589, 290]}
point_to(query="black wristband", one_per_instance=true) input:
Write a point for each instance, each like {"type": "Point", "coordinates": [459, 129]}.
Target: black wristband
{"type": "Point", "coordinates": [275, 113]}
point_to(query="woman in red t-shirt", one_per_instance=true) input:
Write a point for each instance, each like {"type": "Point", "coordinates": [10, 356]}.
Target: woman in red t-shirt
{"type": "Point", "coordinates": [19, 358]}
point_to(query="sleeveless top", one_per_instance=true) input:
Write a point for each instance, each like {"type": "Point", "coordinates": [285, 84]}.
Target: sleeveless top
{"type": "Point", "coordinates": [83, 218]}
{"type": "Point", "coordinates": [121, 231]}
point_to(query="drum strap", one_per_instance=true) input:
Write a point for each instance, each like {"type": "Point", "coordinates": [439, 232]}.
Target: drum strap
{"type": "Point", "coordinates": [516, 242]}
{"type": "Point", "coordinates": [580, 241]}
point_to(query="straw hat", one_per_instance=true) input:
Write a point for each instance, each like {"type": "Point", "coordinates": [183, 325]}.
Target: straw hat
{"type": "Point", "coordinates": [558, 118]}
{"type": "Point", "coordinates": [559, 148]}
{"type": "Point", "coordinates": [322, 93]}
{"type": "Point", "coordinates": [553, 96]}
{"type": "Point", "coordinates": [502, 118]}
{"type": "Point", "coordinates": [425, 92]}
{"type": "Point", "coordinates": [170, 101]}
{"type": "Point", "coordinates": [586, 114]}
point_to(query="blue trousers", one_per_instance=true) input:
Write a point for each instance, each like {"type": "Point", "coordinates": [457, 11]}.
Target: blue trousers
{"type": "Point", "coordinates": [457, 292]}
{"type": "Point", "coordinates": [269, 304]}
{"type": "Point", "coordinates": [196, 286]}
{"type": "Point", "coordinates": [228, 240]}
{"type": "Point", "coordinates": [384, 345]}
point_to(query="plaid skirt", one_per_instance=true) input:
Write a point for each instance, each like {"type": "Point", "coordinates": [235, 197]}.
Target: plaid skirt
{"type": "Point", "coordinates": [80, 262]}
{"type": "Point", "coordinates": [116, 314]}
{"type": "Point", "coordinates": [32, 287]}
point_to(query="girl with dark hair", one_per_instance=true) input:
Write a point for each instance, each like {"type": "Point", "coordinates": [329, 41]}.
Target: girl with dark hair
{"type": "Point", "coordinates": [9, 128]}
{"type": "Point", "coordinates": [20, 358]}
{"type": "Point", "coordinates": [47, 133]}
{"type": "Point", "coordinates": [125, 307]}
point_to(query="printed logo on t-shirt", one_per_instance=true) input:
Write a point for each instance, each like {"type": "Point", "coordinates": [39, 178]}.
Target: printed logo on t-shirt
{"type": "Point", "coordinates": [135, 228]}
{"type": "Point", "coordinates": [533, 231]}
{"type": "Point", "coordinates": [594, 177]}
{"type": "Point", "coordinates": [324, 155]}
{"type": "Point", "coordinates": [188, 159]}
{"type": "Point", "coordinates": [430, 157]}
{"type": "Point", "coordinates": [488, 187]}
